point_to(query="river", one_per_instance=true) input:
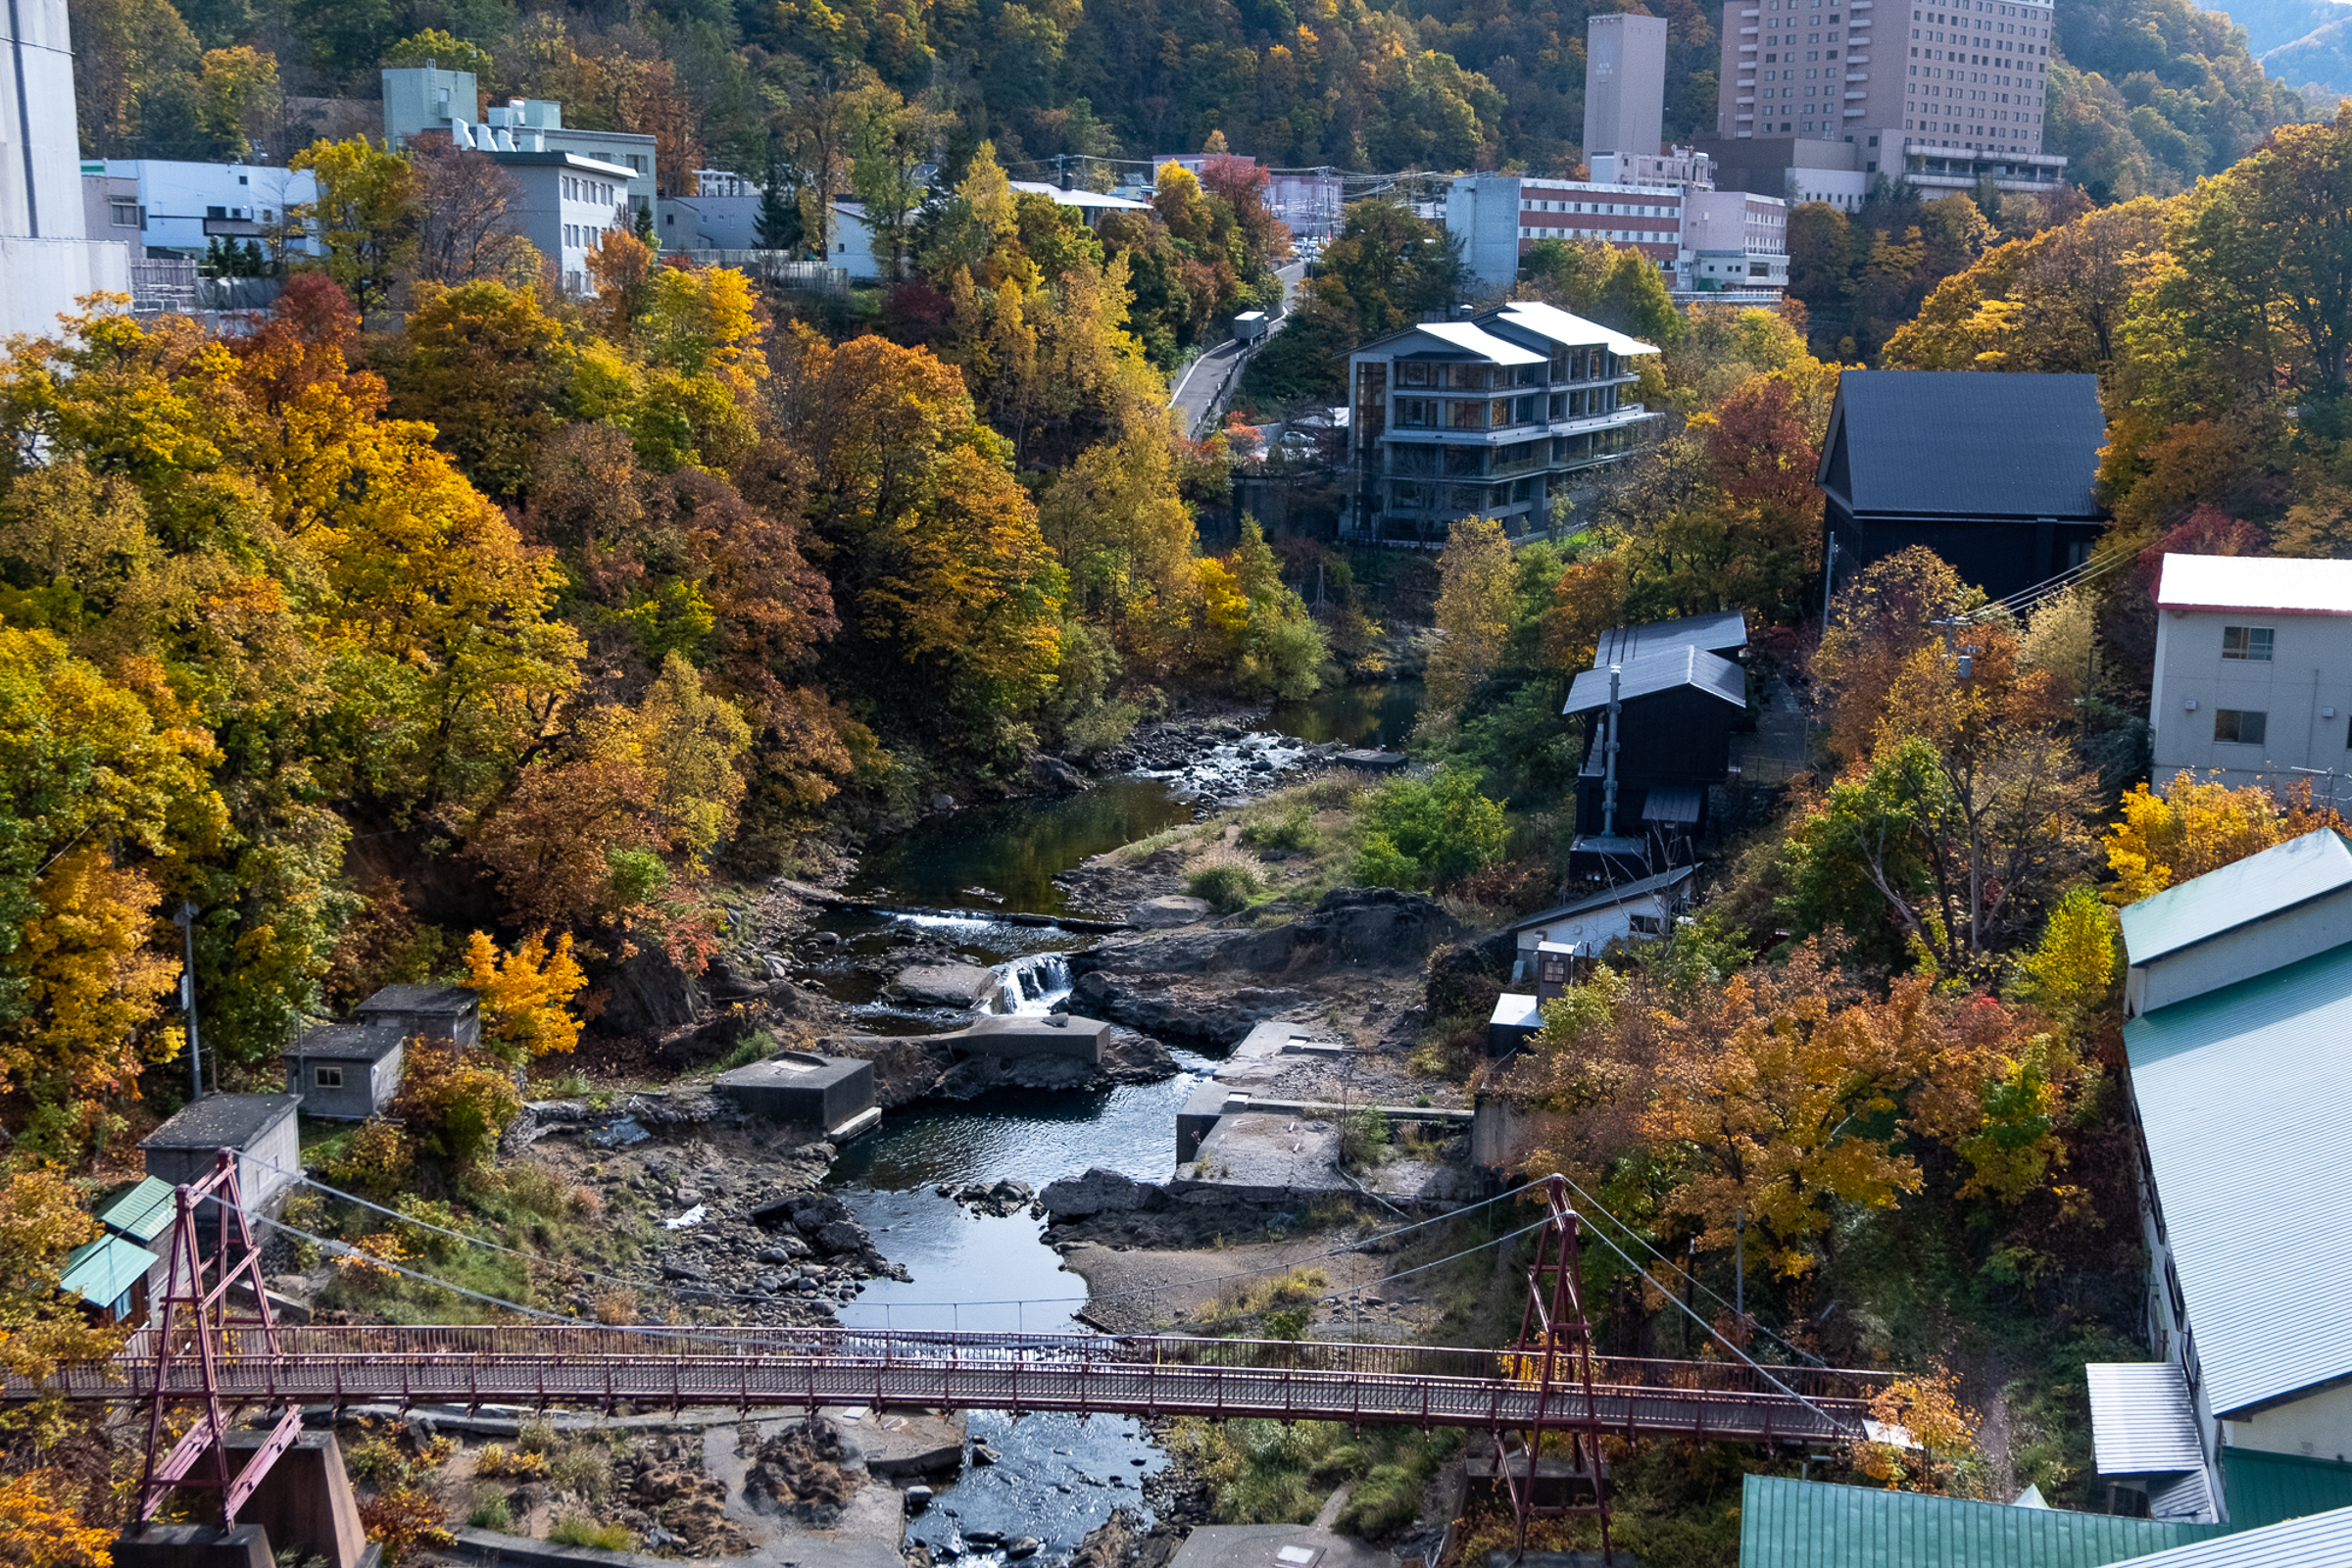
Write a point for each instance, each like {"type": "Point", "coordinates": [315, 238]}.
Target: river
{"type": "Point", "coordinates": [1060, 1476]}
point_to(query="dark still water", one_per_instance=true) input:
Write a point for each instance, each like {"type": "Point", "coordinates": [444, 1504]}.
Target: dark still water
{"type": "Point", "coordinates": [1369, 715]}
{"type": "Point", "coordinates": [1013, 848]}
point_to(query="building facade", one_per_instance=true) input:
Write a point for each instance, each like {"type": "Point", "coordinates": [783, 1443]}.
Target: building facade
{"type": "Point", "coordinates": [425, 98]}
{"type": "Point", "coordinates": [48, 255]}
{"type": "Point", "coordinates": [1940, 97]}
{"type": "Point", "coordinates": [1625, 84]}
{"type": "Point", "coordinates": [2253, 678]}
{"type": "Point", "coordinates": [1489, 415]}
{"type": "Point", "coordinates": [1706, 241]}
{"type": "Point", "coordinates": [182, 207]}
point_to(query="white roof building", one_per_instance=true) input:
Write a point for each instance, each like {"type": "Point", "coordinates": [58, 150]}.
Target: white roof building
{"type": "Point", "coordinates": [2253, 671]}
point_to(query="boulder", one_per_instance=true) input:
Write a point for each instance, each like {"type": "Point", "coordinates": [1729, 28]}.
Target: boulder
{"type": "Point", "coordinates": [945, 985]}
{"type": "Point", "coordinates": [1099, 1192]}
{"type": "Point", "coordinates": [1172, 910]}
{"type": "Point", "coordinates": [1375, 928]}
{"type": "Point", "coordinates": [1052, 774]}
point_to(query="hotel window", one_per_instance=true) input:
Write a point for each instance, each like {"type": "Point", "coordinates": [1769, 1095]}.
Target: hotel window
{"type": "Point", "coordinates": [2240, 726]}
{"type": "Point", "coordinates": [2248, 643]}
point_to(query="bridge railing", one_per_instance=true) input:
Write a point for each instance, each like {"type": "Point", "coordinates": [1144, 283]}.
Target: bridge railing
{"type": "Point", "coordinates": [583, 1344]}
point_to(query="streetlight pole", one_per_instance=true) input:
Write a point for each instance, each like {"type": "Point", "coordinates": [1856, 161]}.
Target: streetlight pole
{"type": "Point", "coordinates": [185, 919]}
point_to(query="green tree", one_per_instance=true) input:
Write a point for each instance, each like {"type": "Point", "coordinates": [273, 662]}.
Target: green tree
{"type": "Point", "coordinates": [1475, 599]}
{"type": "Point", "coordinates": [364, 216]}
{"type": "Point", "coordinates": [1423, 833]}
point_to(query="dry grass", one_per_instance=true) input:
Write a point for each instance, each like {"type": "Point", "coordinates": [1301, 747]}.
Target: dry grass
{"type": "Point", "coordinates": [1244, 1298]}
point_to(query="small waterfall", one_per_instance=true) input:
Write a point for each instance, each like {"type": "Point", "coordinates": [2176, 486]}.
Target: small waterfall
{"type": "Point", "coordinates": [1033, 985]}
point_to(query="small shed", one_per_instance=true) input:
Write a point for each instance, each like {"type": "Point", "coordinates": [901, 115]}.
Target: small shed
{"type": "Point", "coordinates": [1517, 1020]}
{"type": "Point", "coordinates": [1631, 911]}
{"type": "Point", "coordinates": [1249, 325]}
{"type": "Point", "coordinates": [110, 1276]}
{"type": "Point", "coordinates": [1676, 711]}
{"type": "Point", "coordinates": [434, 1012]}
{"type": "Point", "coordinates": [260, 1128]}
{"type": "Point", "coordinates": [345, 1072]}
{"type": "Point", "coordinates": [144, 1215]}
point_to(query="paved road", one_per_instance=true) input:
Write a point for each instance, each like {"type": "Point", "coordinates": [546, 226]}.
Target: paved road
{"type": "Point", "coordinates": [1202, 389]}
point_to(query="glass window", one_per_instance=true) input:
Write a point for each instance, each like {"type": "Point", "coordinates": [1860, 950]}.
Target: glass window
{"type": "Point", "coordinates": [2241, 725]}
{"type": "Point", "coordinates": [2248, 642]}
{"type": "Point", "coordinates": [327, 1077]}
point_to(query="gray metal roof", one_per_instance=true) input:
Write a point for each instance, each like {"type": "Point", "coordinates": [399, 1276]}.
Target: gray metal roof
{"type": "Point", "coordinates": [1661, 671]}
{"type": "Point", "coordinates": [1950, 443]}
{"type": "Point", "coordinates": [1611, 897]}
{"type": "Point", "coordinates": [451, 1000]}
{"type": "Point", "coordinates": [346, 1042]}
{"type": "Point", "coordinates": [2244, 891]}
{"type": "Point", "coordinates": [2241, 1094]}
{"type": "Point", "coordinates": [2142, 1422]}
{"type": "Point", "coordinates": [223, 1121]}
{"type": "Point", "coordinates": [2319, 1541]}
{"type": "Point", "coordinates": [1722, 633]}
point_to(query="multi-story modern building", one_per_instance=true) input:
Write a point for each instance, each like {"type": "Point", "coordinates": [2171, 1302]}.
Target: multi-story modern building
{"type": "Point", "coordinates": [47, 255]}
{"type": "Point", "coordinates": [178, 208]}
{"type": "Point", "coordinates": [1487, 415]}
{"type": "Point", "coordinates": [1625, 84]}
{"type": "Point", "coordinates": [1706, 241]}
{"type": "Point", "coordinates": [1818, 97]}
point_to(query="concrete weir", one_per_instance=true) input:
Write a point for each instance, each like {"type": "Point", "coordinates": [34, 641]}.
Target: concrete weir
{"type": "Point", "coordinates": [1014, 1036]}
{"type": "Point", "coordinates": [834, 1093]}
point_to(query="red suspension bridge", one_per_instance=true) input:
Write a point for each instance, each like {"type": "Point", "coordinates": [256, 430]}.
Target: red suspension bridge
{"type": "Point", "coordinates": [214, 1349]}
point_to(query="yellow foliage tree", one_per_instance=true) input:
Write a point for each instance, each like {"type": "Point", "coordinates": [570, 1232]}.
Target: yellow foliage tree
{"type": "Point", "coordinates": [690, 739]}
{"type": "Point", "coordinates": [2200, 826]}
{"type": "Point", "coordinates": [1474, 610]}
{"type": "Point", "coordinates": [40, 1526]}
{"type": "Point", "coordinates": [526, 994]}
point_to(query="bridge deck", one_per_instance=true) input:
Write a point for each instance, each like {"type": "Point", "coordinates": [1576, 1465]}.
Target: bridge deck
{"type": "Point", "coordinates": [1380, 1384]}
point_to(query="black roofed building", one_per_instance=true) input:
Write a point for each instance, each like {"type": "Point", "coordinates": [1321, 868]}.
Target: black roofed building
{"type": "Point", "coordinates": [1677, 704]}
{"type": "Point", "coordinates": [1996, 473]}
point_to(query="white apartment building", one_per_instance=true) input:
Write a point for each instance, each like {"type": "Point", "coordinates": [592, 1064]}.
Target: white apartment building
{"type": "Point", "coordinates": [427, 98]}
{"type": "Point", "coordinates": [47, 255]}
{"type": "Point", "coordinates": [1819, 97]}
{"type": "Point", "coordinates": [2253, 678]}
{"type": "Point", "coordinates": [1704, 239]}
{"type": "Point", "coordinates": [179, 206]}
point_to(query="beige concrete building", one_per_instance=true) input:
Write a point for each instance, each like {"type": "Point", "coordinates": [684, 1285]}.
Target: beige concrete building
{"type": "Point", "coordinates": [1625, 86]}
{"type": "Point", "coordinates": [1830, 95]}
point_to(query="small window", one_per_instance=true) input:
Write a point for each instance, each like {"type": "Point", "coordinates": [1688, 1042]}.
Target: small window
{"type": "Point", "coordinates": [326, 1077]}
{"type": "Point", "coordinates": [1649, 924]}
{"type": "Point", "coordinates": [2249, 642]}
{"type": "Point", "coordinates": [2243, 726]}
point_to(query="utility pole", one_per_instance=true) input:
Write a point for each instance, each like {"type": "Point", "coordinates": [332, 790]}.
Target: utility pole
{"type": "Point", "coordinates": [185, 919]}
{"type": "Point", "coordinates": [1740, 1263]}
{"type": "Point", "coordinates": [1609, 776]}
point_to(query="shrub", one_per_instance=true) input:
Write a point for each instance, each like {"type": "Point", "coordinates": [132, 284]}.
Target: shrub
{"type": "Point", "coordinates": [456, 1100]}
{"type": "Point", "coordinates": [1227, 878]}
{"type": "Point", "coordinates": [1363, 1139]}
{"type": "Point", "coordinates": [403, 1519]}
{"type": "Point", "coordinates": [490, 1513]}
{"type": "Point", "coordinates": [579, 1529]}
{"type": "Point", "coordinates": [617, 1306]}
{"type": "Point", "coordinates": [586, 1472]}
{"type": "Point", "coordinates": [1425, 833]}
{"type": "Point", "coordinates": [536, 1436]}
{"type": "Point", "coordinates": [377, 1164]}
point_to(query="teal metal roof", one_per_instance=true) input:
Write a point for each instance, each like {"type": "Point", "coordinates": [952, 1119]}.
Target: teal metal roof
{"type": "Point", "coordinates": [2241, 1094]}
{"type": "Point", "coordinates": [100, 1271]}
{"type": "Point", "coordinates": [143, 1213]}
{"type": "Point", "coordinates": [2238, 894]}
{"type": "Point", "coordinates": [2266, 1488]}
{"type": "Point", "coordinates": [1816, 1524]}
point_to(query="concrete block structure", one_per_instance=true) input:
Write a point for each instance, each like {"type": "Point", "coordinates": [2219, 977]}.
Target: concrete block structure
{"type": "Point", "coordinates": [799, 1085]}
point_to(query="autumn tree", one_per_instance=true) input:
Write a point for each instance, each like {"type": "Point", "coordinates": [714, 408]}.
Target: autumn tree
{"type": "Point", "coordinates": [365, 215]}
{"type": "Point", "coordinates": [1877, 623]}
{"type": "Point", "coordinates": [527, 993]}
{"type": "Point", "coordinates": [469, 226]}
{"type": "Point", "coordinates": [1475, 599]}
{"type": "Point", "coordinates": [485, 365]}
{"type": "Point", "coordinates": [2195, 825]}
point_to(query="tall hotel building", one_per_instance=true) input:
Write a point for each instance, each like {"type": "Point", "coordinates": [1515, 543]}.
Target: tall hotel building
{"type": "Point", "coordinates": [1828, 94]}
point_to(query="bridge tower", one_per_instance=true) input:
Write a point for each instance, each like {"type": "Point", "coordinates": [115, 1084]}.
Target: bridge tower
{"type": "Point", "coordinates": [197, 1331]}
{"type": "Point", "coordinates": [1554, 1351]}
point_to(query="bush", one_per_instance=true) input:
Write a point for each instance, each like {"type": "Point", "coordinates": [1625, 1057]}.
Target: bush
{"type": "Point", "coordinates": [490, 1513]}
{"type": "Point", "coordinates": [1420, 834]}
{"type": "Point", "coordinates": [1227, 878]}
{"type": "Point", "coordinates": [1363, 1139]}
{"type": "Point", "coordinates": [456, 1100]}
{"type": "Point", "coordinates": [377, 1164]}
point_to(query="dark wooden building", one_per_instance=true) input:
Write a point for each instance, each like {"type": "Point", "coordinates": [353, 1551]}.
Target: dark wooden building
{"type": "Point", "coordinates": [1676, 710]}
{"type": "Point", "coordinates": [1996, 473]}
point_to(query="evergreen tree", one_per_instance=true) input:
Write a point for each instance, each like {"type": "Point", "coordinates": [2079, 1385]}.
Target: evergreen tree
{"type": "Point", "coordinates": [779, 222]}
